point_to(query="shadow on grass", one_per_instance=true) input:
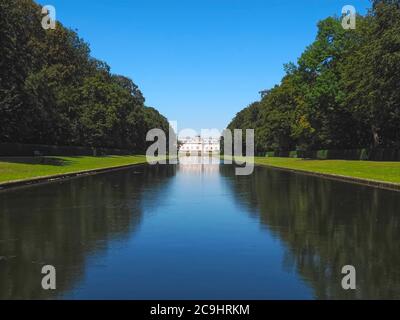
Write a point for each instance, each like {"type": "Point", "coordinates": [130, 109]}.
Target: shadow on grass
{"type": "Point", "coordinates": [49, 161]}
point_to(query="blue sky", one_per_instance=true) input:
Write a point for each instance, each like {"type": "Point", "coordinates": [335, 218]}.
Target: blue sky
{"type": "Point", "coordinates": [199, 62]}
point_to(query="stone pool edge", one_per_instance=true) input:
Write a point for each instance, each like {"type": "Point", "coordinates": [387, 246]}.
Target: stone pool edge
{"type": "Point", "coordinates": [7, 186]}
{"type": "Point", "coordinates": [360, 181]}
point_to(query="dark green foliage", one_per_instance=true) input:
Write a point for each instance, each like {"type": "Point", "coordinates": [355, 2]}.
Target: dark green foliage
{"type": "Point", "coordinates": [343, 93]}
{"type": "Point", "coordinates": [53, 92]}
{"type": "Point", "coordinates": [375, 154]}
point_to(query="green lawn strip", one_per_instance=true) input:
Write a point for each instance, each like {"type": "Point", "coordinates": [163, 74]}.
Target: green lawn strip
{"type": "Point", "coordinates": [368, 170]}
{"type": "Point", "coordinates": [25, 168]}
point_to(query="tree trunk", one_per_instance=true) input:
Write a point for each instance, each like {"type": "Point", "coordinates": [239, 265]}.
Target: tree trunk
{"type": "Point", "coordinates": [375, 136]}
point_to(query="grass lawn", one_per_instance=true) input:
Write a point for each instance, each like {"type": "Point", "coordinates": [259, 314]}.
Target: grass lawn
{"type": "Point", "coordinates": [22, 168]}
{"type": "Point", "coordinates": [370, 170]}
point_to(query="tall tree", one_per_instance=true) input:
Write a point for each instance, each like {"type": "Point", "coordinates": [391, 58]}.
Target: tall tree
{"type": "Point", "coordinates": [372, 76]}
{"type": "Point", "coordinates": [53, 92]}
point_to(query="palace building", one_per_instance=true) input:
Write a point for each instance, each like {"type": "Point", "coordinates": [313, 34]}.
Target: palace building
{"type": "Point", "coordinates": [199, 146]}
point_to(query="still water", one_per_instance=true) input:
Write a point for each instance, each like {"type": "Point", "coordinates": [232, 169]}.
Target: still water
{"type": "Point", "coordinates": [199, 232]}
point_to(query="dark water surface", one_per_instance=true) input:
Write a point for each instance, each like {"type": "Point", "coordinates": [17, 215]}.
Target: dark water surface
{"type": "Point", "coordinates": [199, 232]}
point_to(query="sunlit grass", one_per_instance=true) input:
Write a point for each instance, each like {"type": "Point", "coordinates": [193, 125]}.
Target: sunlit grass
{"type": "Point", "coordinates": [370, 170]}
{"type": "Point", "coordinates": [21, 168]}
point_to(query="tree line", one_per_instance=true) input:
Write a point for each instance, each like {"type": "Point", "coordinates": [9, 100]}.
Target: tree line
{"type": "Point", "coordinates": [343, 92]}
{"type": "Point", "coordinates": [52, 91]}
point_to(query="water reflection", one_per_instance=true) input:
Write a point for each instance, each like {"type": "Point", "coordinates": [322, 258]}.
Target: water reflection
{"type": "Point", "coordinates": [325, 225]}
{"type": "Point", "coordinates": [199, 164]}
{"type": "Point", "coordinates": [64, 224]}
{"type": "Point", "coordinates": [198, 231]}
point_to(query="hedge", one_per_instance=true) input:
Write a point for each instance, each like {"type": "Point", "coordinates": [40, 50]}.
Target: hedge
{"type": "Point", "coordinates": [28, 150]}
{"type": "Point", "coordinates": [335, 154]}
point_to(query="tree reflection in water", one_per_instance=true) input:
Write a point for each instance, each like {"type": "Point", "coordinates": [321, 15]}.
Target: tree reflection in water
{"type": "Point", "coordinates": [322, 224]}
{"type": "Point", "coordinates": [325, 225]}
{"type": "Point", "coordinates": [63, 224]}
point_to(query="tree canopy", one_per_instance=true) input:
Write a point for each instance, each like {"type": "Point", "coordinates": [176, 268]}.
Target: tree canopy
{"type": "Point", "coordinates": [343, 92]}
{"type": "Point", "coordinates": [52, 91]}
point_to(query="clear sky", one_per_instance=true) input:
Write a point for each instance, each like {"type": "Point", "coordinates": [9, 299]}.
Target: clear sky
{"type": "Point", "coordinates": [199, 62]}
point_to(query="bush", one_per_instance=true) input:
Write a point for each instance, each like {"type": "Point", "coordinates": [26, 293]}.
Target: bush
{"type": "Point", "coordinates": [293, 154]}
{"type": "Point", "coordinates": [347, 154]}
